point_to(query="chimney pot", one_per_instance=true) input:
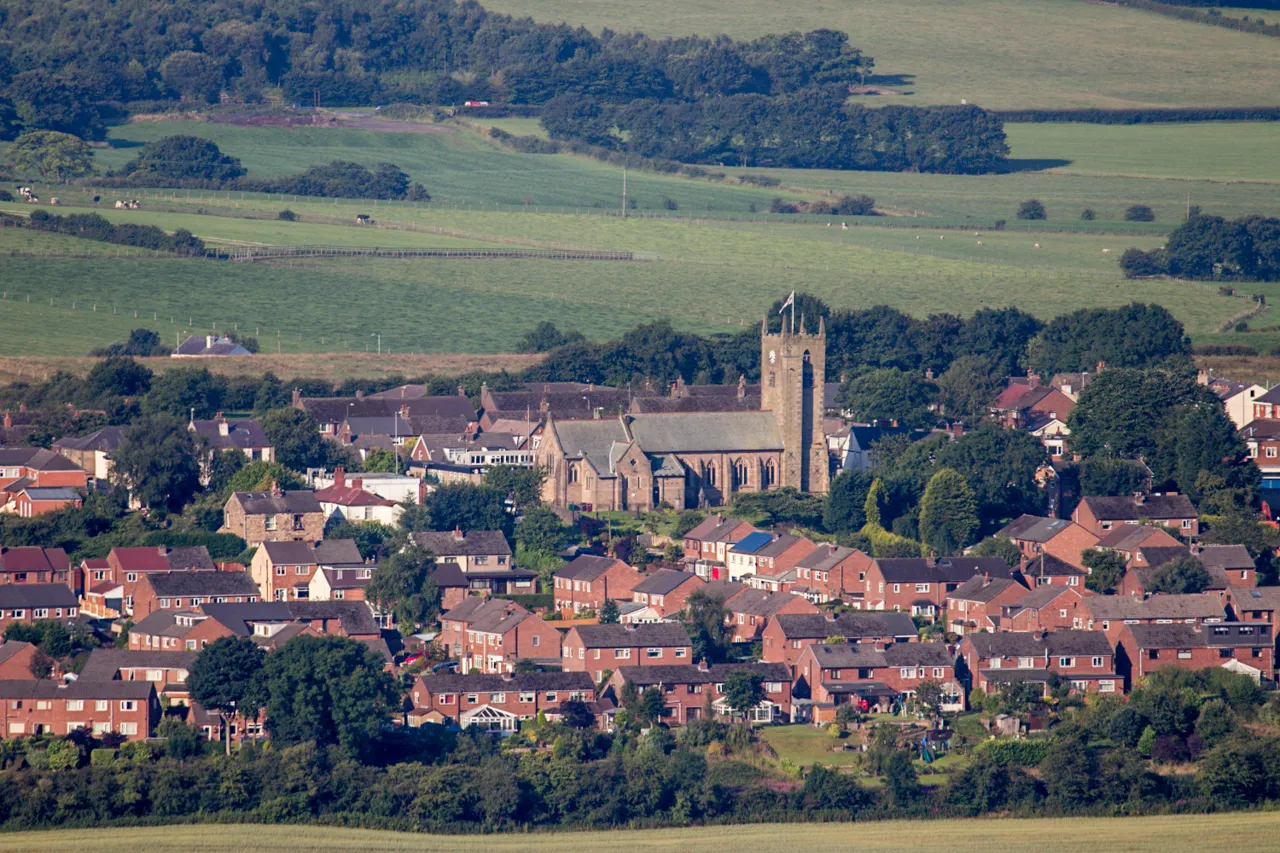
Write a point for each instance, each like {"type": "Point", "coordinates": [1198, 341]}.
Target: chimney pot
{"type": "Point", "coordinates": [340, 476]}
{"type": "Point", "coordinates": [458, 535]}
{"type": "Point", "coordinates": [357, 483]}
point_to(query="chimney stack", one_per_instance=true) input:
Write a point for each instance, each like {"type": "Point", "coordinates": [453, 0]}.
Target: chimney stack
{"type": "Point", "coordinates": [224, 429]}
{"type": "Point", "coordinates": [340, 477]}
{"type": "Point", "coordinates": [357, 483]}
{"type": "Point", "coordinates": [359, 394]}
{"type": "Point", "coordinates": [458, 535]}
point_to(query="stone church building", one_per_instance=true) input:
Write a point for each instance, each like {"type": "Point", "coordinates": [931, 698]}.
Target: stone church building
{"type": "Point", "coordinates": [700, 458]}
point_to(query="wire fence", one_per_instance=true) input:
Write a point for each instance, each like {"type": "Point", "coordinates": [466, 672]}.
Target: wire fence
{"type": "Point", "coordinates": [264, 253]}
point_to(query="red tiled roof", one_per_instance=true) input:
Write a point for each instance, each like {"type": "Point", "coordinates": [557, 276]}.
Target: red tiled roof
{"type": "Point", "coordinates": [28, 558]}
{"type": "Point", "coordinates": [142, 559]}
{"type": "Point", "coordinates": [351, 496]}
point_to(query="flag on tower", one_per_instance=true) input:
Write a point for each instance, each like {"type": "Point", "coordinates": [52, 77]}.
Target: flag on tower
{"type": "Point", "coordinates": [791, 300]}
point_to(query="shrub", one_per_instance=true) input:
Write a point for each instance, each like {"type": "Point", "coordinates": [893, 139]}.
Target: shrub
{"type": "Point", "coordinates": [1139, 213]}
{"type": "Point", "coordinates": [1088, 215]}
{"type": "Point", "coordinates": [5, 195]}
{"type": "Point", "coordinates": [999, 226]}
{"type": "Point", "coordinates": [670, 204]}
{"type": "Point", "coordinates": [102, 757]}
{"type": "Point", "coordinates": [287, 215]}
{"type": "Point", "coordinates": [1032, 208]}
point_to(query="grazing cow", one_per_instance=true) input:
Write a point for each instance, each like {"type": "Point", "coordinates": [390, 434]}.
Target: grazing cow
{"type": "Point", "coordinates": [1106, 251]}
{"type": "Point", "coordinates": [844, 226]}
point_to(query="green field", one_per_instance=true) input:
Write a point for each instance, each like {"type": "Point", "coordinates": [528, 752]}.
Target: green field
{"type": "Point", "coordinates": [1226, 833]}
{"type": "Point", "coordinates": [1000, 54]}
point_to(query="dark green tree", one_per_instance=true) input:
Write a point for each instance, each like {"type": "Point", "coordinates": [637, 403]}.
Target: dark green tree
{"type": "Point", "coordinates": [900, 778]}
{"type": "Point", "coordinates": [1181, 576]}
{"type": "Point", "coordinates": [845, 508]}
{"type": "Point", "coordinates": [1207, 443]}
{"type": "Point", "coordinates": [55, 157]}
{"type": "Point", "coordinates": [118, 377]}
{"type": "Point", "coordinates": [156, 462]}
{"type": "Point", "coordinates": [1106, 570]}
{"type": "Point", "coordinates": [1032, 208]}
{"type": "Point", "coordinates": [522, 486]}
{"type": "Point", "coordinates": [466, 506]}
{"type": "Point", "coordinates": [295, 438]}
{"type": "Point", "coordinates": [888, 395]}
{"type": "Point", "coordinates": [704, 619]}
{"type": "Point", "coordinates": [948, 513]}
{"type": "Point", "coordinates": [743, 690]}
{"type": "Point", "coordinates": [227, 678]}
{"type": "Point", "coordinates": [609, 612]}
{"type": "Point", "coordinates": [998, 546]}
{"type": "Point", "coordinates": [184, 393]}
{"type": "Point", "coordinates": [969, 386]}
{"type": "Point", "coordinates": [330, 691]}
{"type": "Point", "coordinates": [402, 585]}
{"type": "Point", "coordinates": [183, 158]}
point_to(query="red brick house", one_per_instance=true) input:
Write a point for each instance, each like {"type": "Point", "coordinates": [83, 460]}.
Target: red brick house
{"type": "Point", "coordinates": [749, 611]}
{"type": "Point", "coordinates": [1083, 658]}
{"type": "Point", "coordinates": [920, 586]}
{"type": "Point", "coordinates": [1228, 567]}
{"type": "Point", "coordinates": [496, 702]}
{"type": "Point", "coordinates": [783, 554]}
{"type": "Point", "coordinates": [185, 590]}
{"type": "Point", "coordinates": [690, 689]}
{"type": "Point", "coordinates": [31, 602]}
{"type": "Point", "coordinates": [787, 635]}
{"type": "Point", "coordinates": [31, 501]}
{"type": "Point", "coordinates": [28, 564]}
{"type": "Point", "coordinates": [495, 639]}
{"type": "Point", "coordinates": [1059, 537]}
{"type": "Point", "coordinates": [1247, 647]}
{"type": "Point", "coordinates": [595, 649]}
{"type": "Point", "coordinates": [666, 590]}
{"type": "Point", "coordinates": [456, 621]}
{"type": "Point", "coordinates": [1255, 605]}
{"type": "Point", "coordinates": [1047, 608]}
{"type": "Point", "coordinates": [283, 570]}
{"type": "Point", "coordinates": [1128, 541]}
{"type": "Point", "coordinates": [483, 556]}
{"type": "Point", "coordinates": [853, 673]}
{"type": "Point", "coordinates": [588, 581]}
{"type": "Point", "coordinates": [977, 604]}
{"type": "Point", "coordinates": [1233, 561]}
{"type": "Point", "coordinates": [834, 573]}
{"type": "Point", "coordinates": [167, 671]}
{"type": "Point", "coordinates": [35, 466]}
{"type": "Point", "coordinates": [1111, 613]}
{"type": "Point", "coordinates": [1104, 514]}
{"type": "Point", "coordinates": [707, 545]}
{"type": "Point", "coordinates": [15, 660]}
{"type": "Point", "coordinates": [109, 592]}
{"type": "Point", "coordinates": [33, 707]}
{"type": "Point", "coordinates": [1046, 569]}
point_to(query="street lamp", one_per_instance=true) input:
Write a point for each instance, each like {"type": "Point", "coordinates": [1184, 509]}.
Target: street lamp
{"type": "Point", "coordinates": [378, 335]}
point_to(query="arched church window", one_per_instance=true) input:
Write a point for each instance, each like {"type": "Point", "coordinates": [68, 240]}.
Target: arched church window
{"type": "Point", "coordinates": [769, 476]}
{"type": "Point", "coordinates": [573, 473]}
{"type": "Point", "coordinates": [739, 474]}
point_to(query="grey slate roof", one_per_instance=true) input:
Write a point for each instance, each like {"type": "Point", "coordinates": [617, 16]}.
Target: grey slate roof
{"type": "Point", "coordinates": [853, 625]}
{"type": "Point", "coordinates": [105, 440]}
{"type": "Point", "coordinates": [1158, 507]}
{"type": "Point", "coordinates": [706, 432]}
{"type": "Point", "coordinates": [664, 581]}
{"type": "Point", "coordinates": [1047, 566]}
{"type": "Point", "coordinates": [473, 542]}
{"type": "Point", "coordinates": [329, 552]}
{"type": "Point", "coordinates": [1121, 607]}
{"type": "Point", "coordinates": [944, 569]}
{"type": "Point", "coordinates": [825, 558]}
{"type": "Point", "coordinates": [1040, 596]}
{"type": "Point", "coordinates": [699, 403]}
{"type": "Point", "coordinates": [586, 567]}
{"type": "Point", "coordinates": [857, 655]}
{"type": "Point", "coordinates": [456, 410]}
{"type": "Point", "coordinates": [241, 434]}
{"type": "Point", "coordinates": [46, 689]}
{"type": "Point", "coordinates": [657, 634]}
{"type": "Point", "coordinates": [264, 503]}
{"type": "Point", "coordinates": [190, 558]}
{"type": "Point", "coordinates": [217, 584]}
{"type": "Point", "coordinates": [1129, 537]}
{"type": "Point", "coordinates": [35, 457]}
{"type": "Point", "coordinates": [355, 616]}
{"type": "Point", "coordinates": [28, 595]}
{"type": "Point", "coordinates": [238, 617]}
{"type": "Point", "coordinates": [1029, 644]}
{"type": "Point", "coordinates": [759, 602]}
{"type": "Point", "coordinates": [1034, 528]}
{"type": "Point", "coordinates": [103, 664]}
{"type": "Point", "coordinates": [646, 676]}
{"type": "Point", "coordinates": [510, 683]}
{"type": "Point", "coordinates": [979, 588]}
{"type": "Point", "coordinates": [1262, 598]}
{"type": "Point", "coordinates": [1226, 557]}
{"type": "Point", "coordinates": [1217, 635]}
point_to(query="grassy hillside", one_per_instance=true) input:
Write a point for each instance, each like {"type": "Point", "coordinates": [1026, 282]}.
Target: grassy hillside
{"type": "Point", "coordinates": [996, 53]}
{"type": "Point", "coordinates": [1225, 833]}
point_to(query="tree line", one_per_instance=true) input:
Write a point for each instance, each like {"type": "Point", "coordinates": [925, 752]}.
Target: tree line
{"type": "Point", "coordinates": [1213, 248]}
{"type": "Point", "coordinates": [92, 226]}
{"type": "Point", "coordinates": [813, 128]}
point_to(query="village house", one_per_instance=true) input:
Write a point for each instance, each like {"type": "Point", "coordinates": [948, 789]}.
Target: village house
{"type": "Point", "coordinates": [37, 707]}
{"type": "Point", "coordinates": [166, 671]}
{"type": "Point", "coordinates": [268, 623]}
{"type": "Point", "coordinates": [245, 436]}
{"type": "Point", "coordinates": [1111, 613]}
{"type": "Point", "coordinates": [397, 488]}
{"type": "Point", "coordinates": [1048, 570]}
{"type": "Point", "coordinates": [32, 602]}
{"type": "Point", "coordinates": [284, 570]}
{"type": "Point", "coordinates": [456, 622]}
{"type": "Point", "coordinates": [1104, 514]}
{"type": "Point", "coordinates": [977, 604]}
{"type": "Point", "coordinates": [40, 468]}
{"type": "Point", "coordinates": [16, 659]}
{"type": "Point", "coordinates": [483, 556]}
{"type": "Point", "coordinates": [496, 638]}
{"type": "Point", "coordinates": [835, 674]}
{"type": "Point", "coordinates": [347, 500]}
{"type": "Point", "coordinates": [665, 591]}
{"type": "Point", "coordinates": [1237, 398]}
{"type": "Point", "coordinates": [91, 452]}
{"type": "Point", "coordinates": [833, 573]}
{"type": "Point", "coordinates": [354, 620]}
{"type": "Point", "coordinates": [787, 634]}
{"type": "Point", "coordinates": [340, 583]}
{"type": "Point", "coordinates": [30, 501]}
{"type": "Point", "coordinates": [1049, 607]}
{"type": "Point", "coordinates": [1262, 439]}
{"type": "Point", "coordinates": [1266, 406]}
{"type": "Point", "coordinates": [1058, 537]}
{"type": "Point", "coordinates": [1128, 541]}
{"type": "Point", "coordinates": [1228, 566]}
{"type": "Point", "coordinates": [274, 516]}
{"type": "Point", "coordinates": [1255, 605]}
{"type": "Point", "coordinates": [588, 581]}
{"type": "Point", "coordinates": [749, 611]}
{"type": "Point", "coordinates": [1084, 659]}
{"type": "Point", "coordinates": [1027, 400]}
{"type": "Point", "coordinates": [596, 648]}
{"type": "Point", "coordinates": [185, 590]}
{"type": "Point", "coordinates": [689, 690]}
{"type": "Point", "coordinates": [28, 564]}
{"type": "Point", "coordinates": [439, 414]}
{"type": "Point", "coordinates": [706, 546]}
{"type": "Point", "coordinates": [110, 585]}
{"type": "Point", "coordinates": [467, 458]}
{"type": "Point", "coordinates": [920, 586]}
{"type": "Point", "coordinates": [766, 554]}
{"type": "Point", "coordinates": [498, 702]}
{"type": "Point", "coordinates": [1244, 647]}
{"type": "Point", "coordinates": [209, 346]}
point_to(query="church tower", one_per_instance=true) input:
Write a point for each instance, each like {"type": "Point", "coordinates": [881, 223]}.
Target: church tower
{"type": "Point", "coordinates": [792, 373]}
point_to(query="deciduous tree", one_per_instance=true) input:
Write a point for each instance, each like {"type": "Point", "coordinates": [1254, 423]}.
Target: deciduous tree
{"type": "Point", "coordinates": [948, 513]}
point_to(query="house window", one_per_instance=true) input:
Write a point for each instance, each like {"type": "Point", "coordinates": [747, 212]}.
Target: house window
{"type": "Point", "coordinates": [996, 663]}
{"type": "Point", "coordinates": [40, 613]}
{"type": "Point", "coordinates": [1066, 661]}
{"type": "Point", "coordinates": [551, 697]}
{"type": "Point", "coordinates": [681, 652]}
{"type": "Point", "coordinates": [1097, 662]}
{"type": "Point", "coordinates": [1224, 653]}
{"type": "Point", "coordinates": [897, 587]}
{"type": "Point", "coordinates": [164, 604]}
{"type": "Point", "coordinates": [720, 687]}
{"type": "Point", "coordinates": [920, 587]}
{"type": "Point", "coordinates": [1063, 613]}
{"type": "Point", "coordinates": [472, 698]}
{"type": "Point", "coordinates": [1184, 654]}
{"type": "Point", "coordinates": [907, 673]}
{"type": "Point", "coordinates": [937, 672]}
{"type": "Point", "coordinates": [498, 698]}
{"type": "Point", "coordinates": [281, 570]}
{"type": "Point", "coordinates": [1026, 663]}
{"type": "Point", "coordinates": [1271, 453]}
{"type": "Point", "coordinates": [100, 705]}
{"type": "Point", "coordinates": [128, 728]}
{"type": "Point", "coordinates": [128, 705]}
{"type": "Point", "coordinates": [300, 570]}
{"type": "Point", "coordinates": [75, 704]}
{"type": "Point", "coordinates": [1186, 524]}
{"type": "Point", "coordinates": [447, 699]}
{"type": "Point", "coordinates": [528, 697]}
{"type": "Point", "coordinates": [1073, 581]}
{"type": "Point", "coordinates": [653, 653]}
{"type": "Point", "coordinates": [537, 641]}
{"type": "Point", "coordinates": [270, 522]}
{"type": "Point", "coordinates": [297, 522]}
{"type": "Point", "coordinates": [622, 654]}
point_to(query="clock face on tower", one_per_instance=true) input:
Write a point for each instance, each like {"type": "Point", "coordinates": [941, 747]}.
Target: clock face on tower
{"type": "Point", "coordinates": [773, 356]}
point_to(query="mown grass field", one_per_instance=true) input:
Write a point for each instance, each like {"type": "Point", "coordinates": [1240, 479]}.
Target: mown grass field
{"type": "Point", "coordinates": [1224, 833]}
{"type": "Point", "coordinates": [996, 53]}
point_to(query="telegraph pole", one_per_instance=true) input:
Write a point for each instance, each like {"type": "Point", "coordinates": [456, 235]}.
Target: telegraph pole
{"type": "Point", "coordinates": [624, 192]}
